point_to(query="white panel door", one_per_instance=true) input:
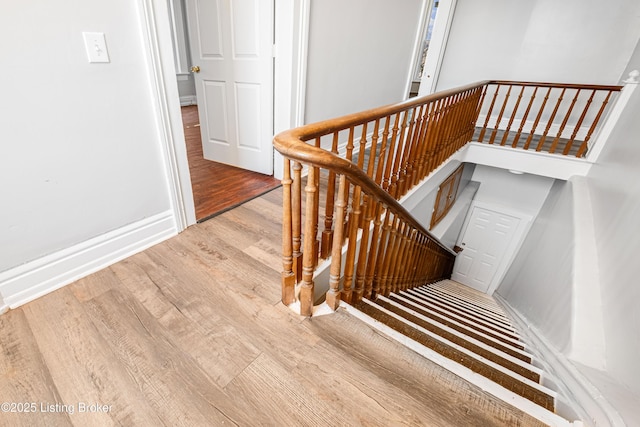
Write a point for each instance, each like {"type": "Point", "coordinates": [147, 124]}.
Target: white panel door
{"type": "Point", "coordinates": [484, 242]}
{"type": "Point", "coordinates": [232, 43]}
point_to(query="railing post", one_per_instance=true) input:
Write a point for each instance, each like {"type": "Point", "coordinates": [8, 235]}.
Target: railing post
{"type": "Point", "coordinates": [310, 245]}
{"type": "Point", "coordinates": [333, 295]}
{"type": "Point", "coordinates": [288, 275]}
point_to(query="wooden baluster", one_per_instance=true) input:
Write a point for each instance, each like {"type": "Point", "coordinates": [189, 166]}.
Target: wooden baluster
{"type": "Point", "coordinates": [390, 257]}
{"type": "Point", "coordinates": [416, 140]}
{"type": "Point", "coordinates": [288, 275]}
{"type": "Point", "coordinates": [512, 118]}
{"type": "Point", "coordinates": [316, 212]}
{"type": "Point", "coordinates": [383, 154]}
{"type": "Point", "coordinates": [442, 138]}
{"type": "Point", "coordinates": [569, 143]}
{"type": "Point", "coordinates": [524, 118]}
{"type": "Point", "coordinates": [436, 124]}
{"type": "Point", "coordinates": [327, 234]}
{"type": "Point", "coordinates": [347, 286]}
{"type": "Point", "coordinates": [367, 216]}
{"type": "Point", "coordinates": [416, 121]}
{"type": "Point", "coordinates": [478, 108]}
{"type": "Point", "coordinates": [373, 252]}
{"type": "Point", "coordinates": [374, 149]}
{"type": "Point", "coordinates": [397, 161]}
{"type": "Point", "coordinates": [406, 156]}
{"type": "Point", "coordinates": [310, 245]}
{"type": "Point", "coordinates": [499, 119]}
{"type": "Point", "coordinates": [418, 173]}
{"type": "Point", "coordinates": [486, 120]}
{"type": "Point", "coordinates": [349, 156]}
{"type": "Point", "coordinates": [296, 212]}
{"type": "Point", "coordinates": [550, 122]}
{"type": "Point", "coordinates": [537, 120]}
{"type": "Point", "coordinates": [584, 145]}
{"type": "Point", "coordinates": [398, 266]}
{"type": "Point", "coordinates": [386, 180]}
{"type": "Point", "coordinates": [333, 295]}
{"type": "Point", "coordinates": [554, 144]}
{"type": "Point", "coordinates": [429, 139]}
{"type": "Point", "coordinates": [383, 247]}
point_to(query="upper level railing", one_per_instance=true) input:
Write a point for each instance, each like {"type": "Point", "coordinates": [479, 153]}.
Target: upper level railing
{"type": "Point", "coordinates": [547, 117]}
{"type": "Point", "coordinates": [358, 166]}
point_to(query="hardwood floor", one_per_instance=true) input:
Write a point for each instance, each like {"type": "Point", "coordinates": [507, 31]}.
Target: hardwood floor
{"type": "Point", "coordinates": [218, 187]}
{"type": "Point", "coordinates": [191, 332]}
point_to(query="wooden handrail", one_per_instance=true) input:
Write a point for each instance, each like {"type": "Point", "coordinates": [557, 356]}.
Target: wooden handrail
{"type": "Point", "coordinates": [397, 146]}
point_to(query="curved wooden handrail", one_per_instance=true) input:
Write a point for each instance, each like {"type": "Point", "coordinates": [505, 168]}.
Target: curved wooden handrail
{"type": "Point", "coordinates": [403, 143]}
{"type": "Point", "coordinates": [292, 144]}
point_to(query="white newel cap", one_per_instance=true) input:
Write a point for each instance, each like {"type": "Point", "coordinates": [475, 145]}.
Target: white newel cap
{"type": "Point", "coordinates": [633, 78]}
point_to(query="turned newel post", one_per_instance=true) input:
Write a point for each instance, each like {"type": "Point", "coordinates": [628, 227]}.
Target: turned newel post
{"type": "Point", "coordinates": [288, 275]}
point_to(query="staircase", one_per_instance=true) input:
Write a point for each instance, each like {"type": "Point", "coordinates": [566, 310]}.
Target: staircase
{"type": "Point", "coordinates": [471, 334]}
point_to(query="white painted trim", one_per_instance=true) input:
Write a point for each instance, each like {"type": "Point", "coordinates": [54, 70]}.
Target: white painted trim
{"type": "Point", "coordinates": [160, 58]}
{"type": "Point", "coordinates": [3, 307]}
{"type": "Point", "coordinates": [528, 161]}
{"type": "Point", "coordinates": [437, 47]}
{"type": "Point", "coordinates": [188, 100]}
{"type": "Point", "coordinates": [583, 396]}
{"type": "Point", "coordinates": [29, 281]}
{"type": "Point", "coordinates": [291, 40]}
{"type": "Point", "coordinates": [421, 31]}
{"type": "Point", "coordinates": [465, 373]}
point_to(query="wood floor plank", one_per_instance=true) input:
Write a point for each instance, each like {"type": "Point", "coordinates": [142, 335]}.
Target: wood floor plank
{"type": "Point", "coordinates": [179, 391]}
{"type": "Point", "coordinates": [24, 375]}
{"type": "Point", "coordinates": [82, 364]}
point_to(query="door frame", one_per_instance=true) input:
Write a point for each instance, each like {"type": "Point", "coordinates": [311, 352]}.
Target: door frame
{"type": "Point", "coordinates": [519, 234]}
{"type": "Point", "coordinates": [291, 24]}
{"type": "Point", "coordinates": [437, 46]}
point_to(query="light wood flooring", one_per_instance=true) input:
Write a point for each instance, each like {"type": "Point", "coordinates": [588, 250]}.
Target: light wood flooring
{"type": "Point", "coordinates": [191, 333]}
{"type": "Point", "coordinates": [218, 187]}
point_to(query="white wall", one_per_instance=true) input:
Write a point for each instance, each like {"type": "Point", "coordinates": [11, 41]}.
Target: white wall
{"type": "Point", "coordinates": [614, 184]}
{"type": "Point", "coordinates": [82, 156]}
{"type": "Point", "coordinates": [572, 41]}
{"type": "Point", "coordinates": [524, 193]}
{"type": "Point", "coordinates": [538, 284]}
{"type": "Point", "coordinates": [360, 55]}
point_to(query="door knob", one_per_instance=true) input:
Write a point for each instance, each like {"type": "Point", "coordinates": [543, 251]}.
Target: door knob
{"type": "Point", "coordinates": [195, 69]}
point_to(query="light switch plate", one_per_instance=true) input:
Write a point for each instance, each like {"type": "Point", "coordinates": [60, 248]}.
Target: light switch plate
{"type": "Point", "coordinates": [96, 47]}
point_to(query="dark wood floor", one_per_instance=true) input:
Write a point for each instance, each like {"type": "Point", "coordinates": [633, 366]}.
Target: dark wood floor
{"type": "Point", "coordinates": [218, 187]}
{"type": "Point", "coordinates": [191, 332]}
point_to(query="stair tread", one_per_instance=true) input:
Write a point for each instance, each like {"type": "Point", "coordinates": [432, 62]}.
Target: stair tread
{"type": "Point", "coordinates": [517, 383]}
{"type": "Point", "coordinates": [483, 350]}
{"type": "Point", "coordinates": [465, 312]}
{"type": "Point", "coordinates": [511, 348]}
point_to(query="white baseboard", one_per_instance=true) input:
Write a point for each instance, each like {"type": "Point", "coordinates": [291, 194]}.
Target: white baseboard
{"type": "Point", "coordinates": [583, 396]}
{"type": "Point", "coordinates": [34, 279]}
{"type": "Point", "coordinates": [188, 100]}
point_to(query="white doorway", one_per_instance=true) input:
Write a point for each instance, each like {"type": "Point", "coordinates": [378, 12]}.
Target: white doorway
{"type": "Point", "coordinates": [489, 240]}
{"type": "Point", "coordinates": [231, 45]}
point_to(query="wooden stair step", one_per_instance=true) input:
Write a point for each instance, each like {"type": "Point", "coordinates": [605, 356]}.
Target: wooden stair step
{"type": "Point", "coordinates": [510, 380]}
{"type": "Point", "coordinates": [509, 362]}
{"type": "Point", "coordinates": [465, 330]}
{"type": "Point", "coordinates": [464, 320]}
{"type": "Point", "coordinates": [462, 309]}
{"type": "Point", "coordinates": [496, 317]}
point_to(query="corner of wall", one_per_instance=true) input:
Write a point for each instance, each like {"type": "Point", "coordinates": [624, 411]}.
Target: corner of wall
{"type": "Point", "coordinates": [588, 344]}
{"type": "Point", "coordinates": [34, 279]}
